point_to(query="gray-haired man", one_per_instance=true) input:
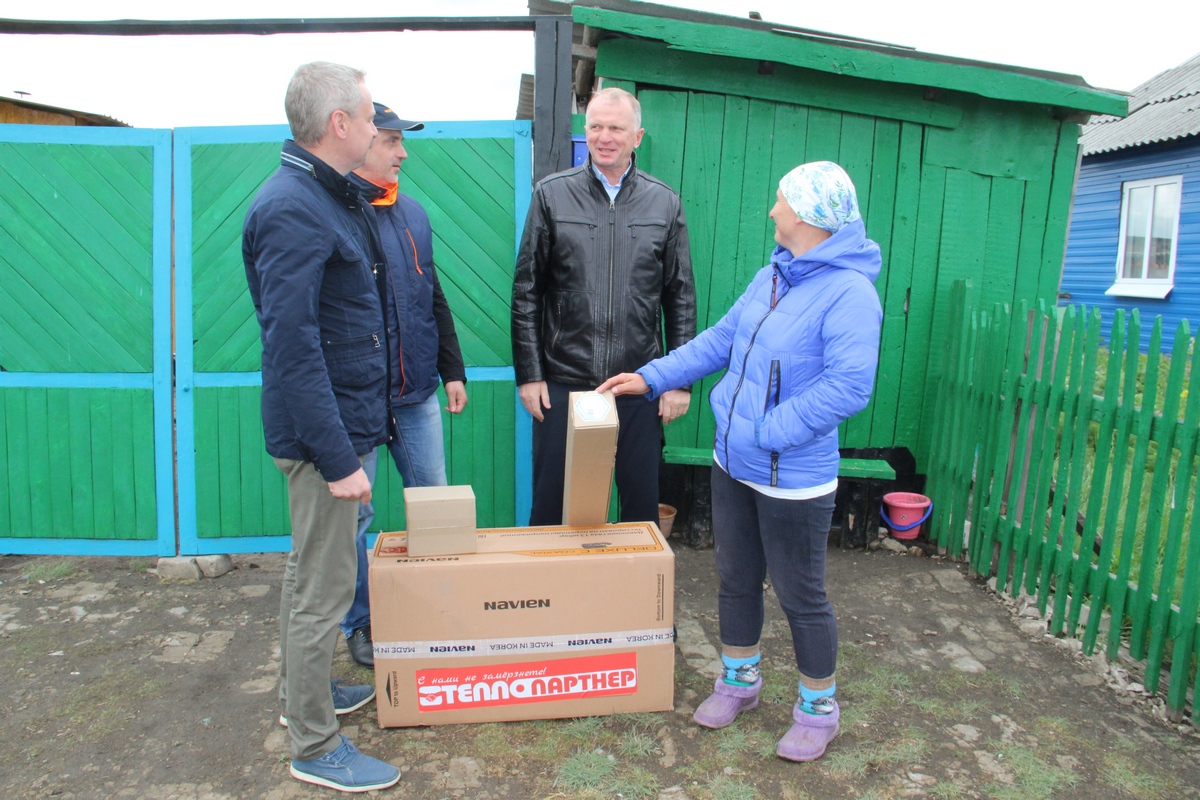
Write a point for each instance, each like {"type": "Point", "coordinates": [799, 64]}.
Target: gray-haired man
{"type": "Point", "coordinates": [313, 263]}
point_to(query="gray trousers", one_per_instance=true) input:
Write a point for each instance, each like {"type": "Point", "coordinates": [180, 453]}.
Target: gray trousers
{"type": "Point", "coordinates": [318, 585]}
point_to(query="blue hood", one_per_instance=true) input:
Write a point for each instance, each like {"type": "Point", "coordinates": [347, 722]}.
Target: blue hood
{"type": "Point", "coordinates": [849, 248]}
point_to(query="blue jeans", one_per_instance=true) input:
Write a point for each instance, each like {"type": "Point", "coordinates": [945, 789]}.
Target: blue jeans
{"type": "Point", "coordinates": [754, 534]}
{"type": "Point", "coordinates": [420, 457]}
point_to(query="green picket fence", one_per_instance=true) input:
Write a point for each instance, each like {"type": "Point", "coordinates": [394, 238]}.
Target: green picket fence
{"type": "Point", "coordinates": [1067, 470]}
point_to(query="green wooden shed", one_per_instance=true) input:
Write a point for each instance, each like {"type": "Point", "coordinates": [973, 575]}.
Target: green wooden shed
{"type": "Point", "coordinates": [964, 170]}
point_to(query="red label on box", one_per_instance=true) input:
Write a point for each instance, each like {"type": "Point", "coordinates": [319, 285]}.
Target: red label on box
{"type": "Point", "coordinates": [526, 682]}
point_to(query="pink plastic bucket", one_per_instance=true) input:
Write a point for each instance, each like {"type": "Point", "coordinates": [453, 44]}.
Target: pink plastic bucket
{"type": "Point", "coordinates": [904, 513]}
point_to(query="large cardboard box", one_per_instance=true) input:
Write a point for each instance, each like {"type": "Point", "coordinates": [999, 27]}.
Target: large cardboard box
{"type": "Point", "coordinates": [591, 454]}
{"type": "Point", "coordinates": [440, 519]}
{"type": "Point", "coordinates": [540, 623]}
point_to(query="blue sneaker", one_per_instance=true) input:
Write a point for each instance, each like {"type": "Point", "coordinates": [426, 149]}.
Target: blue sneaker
{"type": "Point", "coordinates": [347, 770]}
{"type": "Point", "coordinates": [345, 699]}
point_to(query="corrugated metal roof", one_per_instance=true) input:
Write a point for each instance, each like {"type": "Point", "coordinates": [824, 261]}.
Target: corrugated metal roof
{"type": "Point", "coordinates": [1163, 108]}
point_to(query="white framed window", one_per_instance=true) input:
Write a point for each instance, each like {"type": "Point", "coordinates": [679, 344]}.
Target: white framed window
{"type": "Point", "coordinates": [1149, 237]}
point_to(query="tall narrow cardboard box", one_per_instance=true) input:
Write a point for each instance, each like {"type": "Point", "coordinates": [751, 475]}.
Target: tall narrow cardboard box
{"type": "Point", "coordinates": [591, 455]}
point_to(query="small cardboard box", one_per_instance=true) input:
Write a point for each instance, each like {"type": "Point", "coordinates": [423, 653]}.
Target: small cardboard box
{"type": "Point", "coordinates": [591, 454]}
{"type": "Point", "coordinates": [540, 623]}
{"type": "Point", "coordinates": [441, 520]}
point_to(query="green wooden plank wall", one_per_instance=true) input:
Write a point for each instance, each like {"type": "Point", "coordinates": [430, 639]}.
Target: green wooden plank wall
{"type": "Point", "coordinates": [78, 463]}
{"type": "Point", "coordinates": [225, 178]}
{"type": "Point", "coordinates": [75, 258]}
{"type": "Point", "coordinates": [980, 192]}
{"type": "Point", "coordinates": [466, 186]}
{"type": "Point", "coordinates": [241, 493]}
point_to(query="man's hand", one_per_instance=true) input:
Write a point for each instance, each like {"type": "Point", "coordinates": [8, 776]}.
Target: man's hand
{"type": "Point", "coordinates": [673, 404]}
{"type": "Point", "coordinates": [625, 383]}
{"type": "Point", "coordinates": [456, 397]}
{"type": "Point", "coordinates": [355, 486]}
{"type": "Point", "coordinates": [534, 396]}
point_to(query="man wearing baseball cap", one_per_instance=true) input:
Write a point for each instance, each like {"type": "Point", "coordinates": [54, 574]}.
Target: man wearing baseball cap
{"type": "Point", "coordinates": [424, 346]}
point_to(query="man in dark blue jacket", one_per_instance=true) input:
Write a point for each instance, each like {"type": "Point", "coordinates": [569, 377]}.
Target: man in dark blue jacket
{"type": "Point", "coordinates": [315, 266]}
{"type": "Point", "coordinates": [423, 346]}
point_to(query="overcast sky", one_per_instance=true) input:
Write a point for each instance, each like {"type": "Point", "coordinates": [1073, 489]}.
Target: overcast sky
{"type": "Point", "coordinates": [239, 80]}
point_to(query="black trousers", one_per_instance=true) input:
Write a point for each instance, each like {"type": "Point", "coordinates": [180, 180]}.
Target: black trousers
{"type": "Point", "coordinates": [639, 450]}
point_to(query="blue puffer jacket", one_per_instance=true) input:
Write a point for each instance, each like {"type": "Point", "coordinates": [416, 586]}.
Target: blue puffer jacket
{"type": "Point", "coordinates": [313, 257]}
{"type": "Point", "coordinates": [801, 345]}
{"type": "Point", "coordinates": [424, 343]}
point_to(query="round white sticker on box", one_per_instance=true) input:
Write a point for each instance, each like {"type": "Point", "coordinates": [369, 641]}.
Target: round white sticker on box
{"type": "Point", "coordinates": [591, 407]}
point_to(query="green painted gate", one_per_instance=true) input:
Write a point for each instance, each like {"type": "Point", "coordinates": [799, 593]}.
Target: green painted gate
{"type": "Point", "coordinates": [474, 180]}
{"type": "Point", "coordinates": [85, 341]}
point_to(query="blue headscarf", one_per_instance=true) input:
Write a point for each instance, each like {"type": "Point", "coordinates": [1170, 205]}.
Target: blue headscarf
{"type": "Point", "coordinates": [821, 194]}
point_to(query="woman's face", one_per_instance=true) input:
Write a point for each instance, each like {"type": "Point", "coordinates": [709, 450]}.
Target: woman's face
{"type": "Point", "coordinates": [791, 232]}
{"type": "Point", "coordinates": [784, 217]}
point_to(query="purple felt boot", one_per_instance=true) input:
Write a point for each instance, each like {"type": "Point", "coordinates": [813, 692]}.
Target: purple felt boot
{"type": "Point", "coordinates": [809, 734]}
{"type": "Point", "coordinates": [725, 703]}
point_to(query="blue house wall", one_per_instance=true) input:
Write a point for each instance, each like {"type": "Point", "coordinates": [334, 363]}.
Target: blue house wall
{"type": "Point", "coordinates": [1090, 265]}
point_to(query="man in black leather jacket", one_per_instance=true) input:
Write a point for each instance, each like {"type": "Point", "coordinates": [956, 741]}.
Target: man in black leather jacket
{"type": "Point", "coordinates": [603, 271]}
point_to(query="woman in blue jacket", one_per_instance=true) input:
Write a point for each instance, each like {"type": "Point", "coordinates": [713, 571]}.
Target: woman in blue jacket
{"type": "Point", "coordinates": [800, 348]}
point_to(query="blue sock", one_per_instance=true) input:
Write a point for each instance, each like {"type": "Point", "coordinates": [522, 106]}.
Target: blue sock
{"type": "Point", "coordinates": [741, 671]}
{"type": "Point", "coordinates": [810, 699]}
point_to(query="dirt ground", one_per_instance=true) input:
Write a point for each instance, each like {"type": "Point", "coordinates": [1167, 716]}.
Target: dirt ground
{"type": "Point", "coordinates": [114, 683]}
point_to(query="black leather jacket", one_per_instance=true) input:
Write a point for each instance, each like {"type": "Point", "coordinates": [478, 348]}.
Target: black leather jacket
{"type": "Point", "coordinates": [596, 280]}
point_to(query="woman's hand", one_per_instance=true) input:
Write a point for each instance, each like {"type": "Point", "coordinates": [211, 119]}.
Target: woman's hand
{"type": "Point", "coordinates": [625, 383]}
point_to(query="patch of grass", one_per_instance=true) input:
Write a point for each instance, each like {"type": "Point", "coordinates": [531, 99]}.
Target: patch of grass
{"type": "Point", "coordinates": [952, 683]}
{"type": "Point", "coordinates": [586, 729]}
{"type": "Point", "coordinates": [724, 787]}
{"type": "Point", "coordinates": [874, 690]}
{"type": "Point", "coordinates": [642, 720]}
{"type": "Point", "coordinates": [1122, 773]}
{"type": "Point", "coordinates": [732, 741]}
{"type": "Point", "coordinates": [1062, 732]}
{"type": "Point", "coordinates": [141, 565]}
{"type": "Point", "coordinates": [701, 766]}
{"type": "Point", "coordinates": [736, 741]}
{"type": "Point", "coordinates": [548, 746]}
{"type": "Point", "coordinates": [948, 712]}
{"type": "Point", "coordinates": [57, 569]}
{"type": "Point", "coordinates": [493, 742]}
{"type": "Point", "coordinates": [635, 783]}
{"type": "Point", "coordinates": [855, 761]}
{"type": "Point", "coordinates": [416, 749]}
{"type": "Point", "coordinates": [1032, 776]}
{"type": "Point", "coordinates": [778, 688]}
{"type": "Point", "coordinates": [947, 790]}
{"type": "Point", "coordinates": [766, 744]}
{"type": "Point", "coordinates": [585, 770]}
{"type": "Point", "coordinates": [994, 683]}
{"type": "Point", "coordinates": [29, 644]}
{"type": "Point", "coordinates": [105, 705]}
{"type": "Point", "coordinates": [637, 743]}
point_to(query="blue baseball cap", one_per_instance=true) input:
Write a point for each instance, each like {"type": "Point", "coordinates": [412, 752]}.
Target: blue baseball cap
{"type": "Point", "coordinates": [387, 120]}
